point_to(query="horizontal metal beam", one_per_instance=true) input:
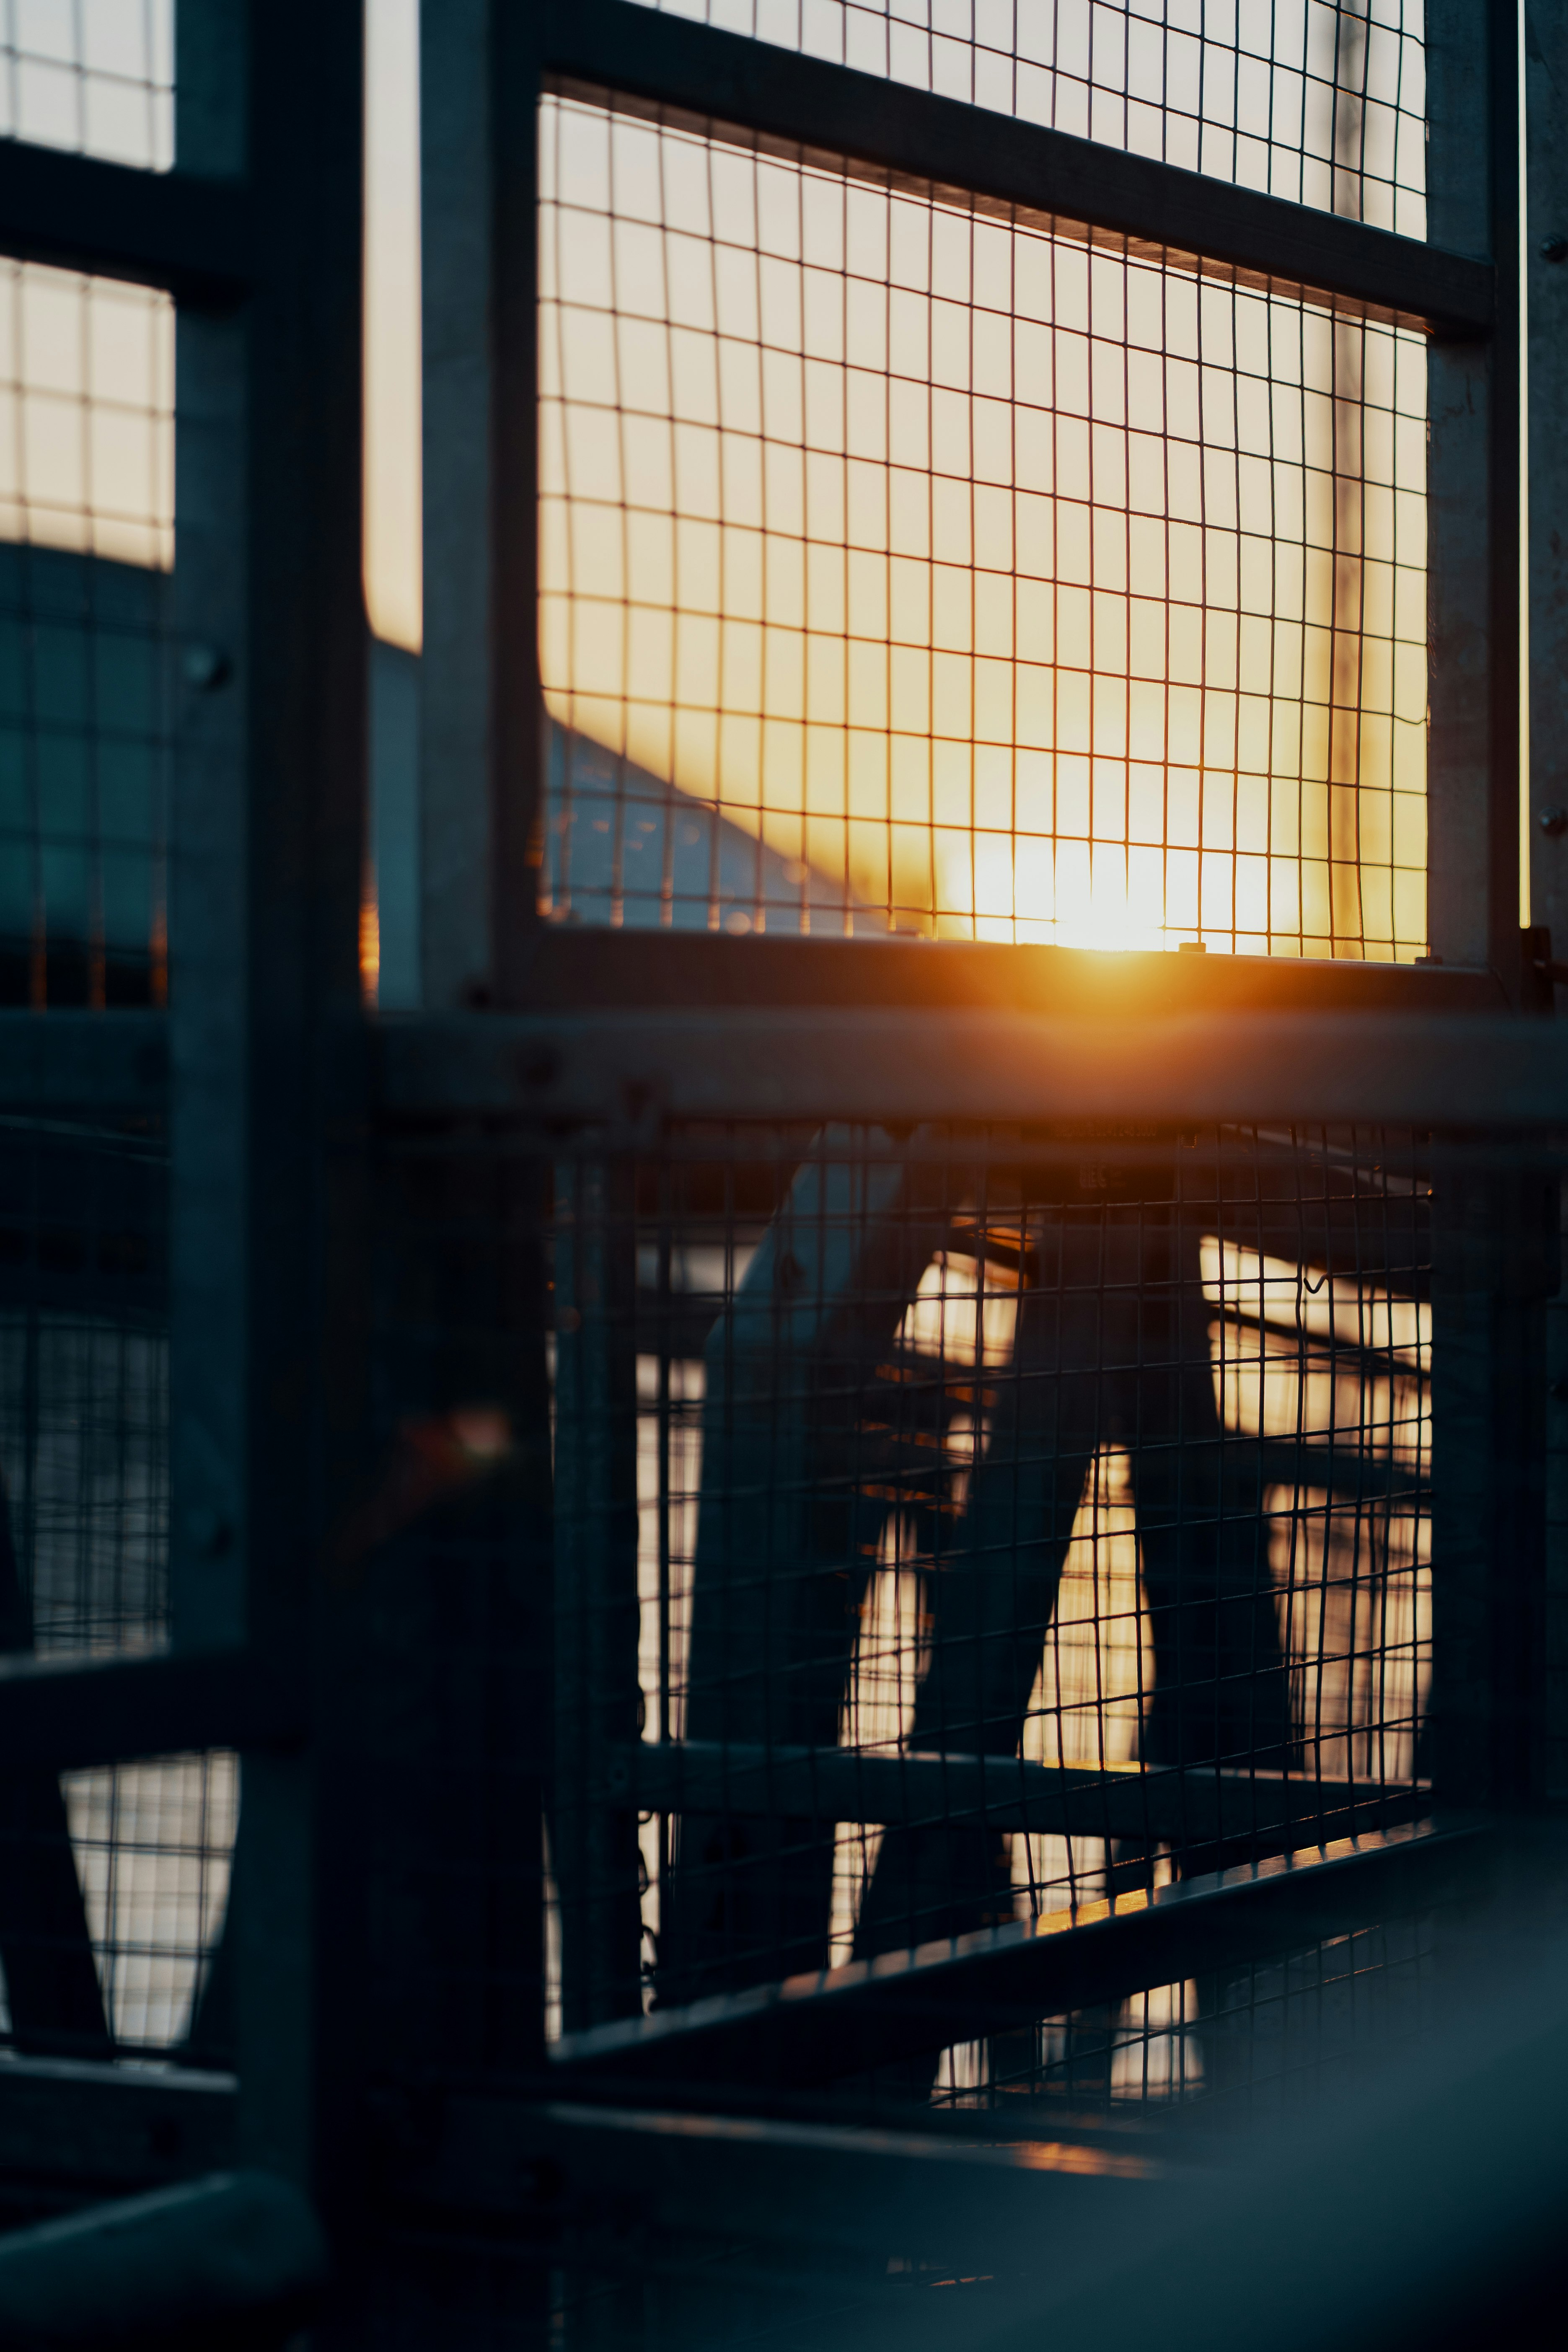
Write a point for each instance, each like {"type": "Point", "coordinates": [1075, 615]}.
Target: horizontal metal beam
{"type": "Point", "coordinates": [72, 1714]}
{"type": "Point", "coordinates": [171, 229]}
{"type": "Point", "coordinates": [850, 2021]}
{"type": "Point", "coordinates": [70, 2131]}
{"type": "Point", "coordinates": [83, 1061]}
{"type": "Point", "coordinates": [120, 1060]}
{"type": "Point", "coordinates": [231, 2257]}
{"type": "Point", "coordinates": [1195, 1806]}
{"type": "Point", "coordinates": [961, 152]}
{"type": "Point", "coordinates": [556, 2168]}
{"type": "Point", "coordinates": [630, 1071]}
{"type": "Point", "coordinates": [575, 969]}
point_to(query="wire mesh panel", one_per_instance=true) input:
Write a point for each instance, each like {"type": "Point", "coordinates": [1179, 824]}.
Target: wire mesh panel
{"type": "Point", "coordinates": [87, 402]}
{"type": "Point", "coordinates": [1018, 1519]}
{"type": "Point", "coordinates": [113, 1882]}
{"type": "Point", "coordinates": [450, 1533]}
{"type": "Point", "coordinates": [94, 77]}
{"type": "Point", "coordinates": [906, 569]}
{"type": "Point", "coordinates": [1292, 2029]}
{"type": "Point", "coordinates": [1322, 101]}
{"type": "Point", "coordinates": [87, 505]}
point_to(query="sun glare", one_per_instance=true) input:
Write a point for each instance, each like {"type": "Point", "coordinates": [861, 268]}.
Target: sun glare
{"type": "Point", "coordinates": [1020, 590]}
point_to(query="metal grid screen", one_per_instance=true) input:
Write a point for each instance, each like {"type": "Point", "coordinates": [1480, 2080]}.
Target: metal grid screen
{"type": "Point", "coordinates": [114, 1879]}
{"type": "Point", "coordinates": [117, 1877]}
{"type": "Point", "coordinates": [952, 1530]}
{"type": "Point", "coordinates": [87, 513]}
{"type": "Point", "coordinates": [94, 77]}
{"type": "Point", "coordinates": [1324, 105]}
{"type": "Point", "coordinates": [907, 571]}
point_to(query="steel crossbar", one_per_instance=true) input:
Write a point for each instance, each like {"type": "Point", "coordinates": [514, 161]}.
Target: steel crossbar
{"type": "Point", "coordinates": [850, 2021]}
{"type": "Point", "coordinates": [1199, 1805]}
{"type": "Point", "coordinates": [967, 154]}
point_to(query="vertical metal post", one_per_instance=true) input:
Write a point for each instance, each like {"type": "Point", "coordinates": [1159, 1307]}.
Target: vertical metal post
{"type": "Point", "coordinates": [1346, 917]}
{"type": "Point", "coordinates": [481, 755]}
{"type": "Point", "coordinates": [1491, 1232]}
{"type": "Point", "coordinates": [458, 656]}
{"type": "Point", "coordinates": [594, 1840]}
{"type": "Point", "coordinates": [209, 1289]}
{"type": "Point", "coordinates": [517, 712]}
{"type": "Point", "coordinates": [596, 1422]}
{"type": "Point", "coordinates": [268, 1206]}
{"type": "Point", "coordinates": [1546, 283]}
{"type": "Point", "coordinates": [1472, 544]}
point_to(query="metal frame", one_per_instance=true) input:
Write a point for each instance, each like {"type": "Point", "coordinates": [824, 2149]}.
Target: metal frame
{"type": "Point", "coordinates": [626, 1070]}
{"type": "Point", "coordinates": [871, 2013]}
{"type": "Point", "coordinates": [274, 1075]}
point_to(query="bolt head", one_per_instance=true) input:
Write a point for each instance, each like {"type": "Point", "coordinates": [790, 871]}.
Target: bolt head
{"type": "Point", "coordinates": [1554, 247]}
{"type": "Point", "coordinates": [204, 666]}
{"type": "Point", "coordinates": [1552, 822]}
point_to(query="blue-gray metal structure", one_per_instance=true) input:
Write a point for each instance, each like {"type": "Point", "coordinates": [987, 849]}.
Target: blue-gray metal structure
{"type": "Point", "coordinates": [406, 1321]}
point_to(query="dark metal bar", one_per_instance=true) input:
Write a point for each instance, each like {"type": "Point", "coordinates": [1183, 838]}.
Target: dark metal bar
{"type": "Point", "coordinates": [1187, 1807]}
{"type": "Point", "coordinates": [567, 970]}
{"type": "Point", "coordinates": [157, 228]}
{"type": "Point", "coordinates": [69, 2128]}
{"type": "Point", "coordinates": [76, 1061]}
{"type": "Point", "coordinates": [594, 1840]}
{"type": "Point", "coordinates": [888, 1067]}
{"type": "Point", "coordinates": [964, 153]}
{"type": "Point", "coordinates": [272, 1226]}
{"type": "Point", "coordinates": [903, 2004]}
{"type": "Point", "coordinates": [65, 1714]}
{"type": "Point", "coordinates": [1494, 1266]}
{"type": "Point", "coordinates": [230, 2255]}
{"type": "Point", "coordinates": [1546, 764]}
{"type": "Point", "coordinates": [1510, 956]}
{"type": "Point", "coordinates": [516, 737]}
{"type": "Point", "coordinates": [209, 1300]}
{"type": "Point", "coordinates": [457, 294]}
{"type": "Point", "coordinates": [561, 2167]}
{"type": "Point", "coordinates": [1462, 486]}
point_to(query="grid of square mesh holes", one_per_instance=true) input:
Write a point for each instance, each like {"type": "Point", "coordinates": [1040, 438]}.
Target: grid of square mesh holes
{"type": "Point", "coordinates": [118, 1875]}
{"type": "Point", "coordinates": [906, 569]}
{"type": "Point", "coordinates": [86, 527]}
{"type": "Point", "coordinates": [95, 76]}
{"type": "Point", "coordinates": [1322, 104]}
{"type": "Point", "coordinates": [84, 1518]}
{"type": "Point", "coordinates": [87, 426]}
{"type": "Point", "coordinates": [1113, 1469]}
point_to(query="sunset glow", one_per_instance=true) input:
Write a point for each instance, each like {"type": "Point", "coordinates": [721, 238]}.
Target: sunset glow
{"type": "Point", "coordinates": [1003, 579]}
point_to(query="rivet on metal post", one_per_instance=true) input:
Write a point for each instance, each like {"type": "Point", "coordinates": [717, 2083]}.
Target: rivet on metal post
{"type": "Point", "coordinates": [1554, 247]}
{"type": "Point", "coordinates": [204, 666]}
{"type": "Point", "coordinates": [1553, 820]}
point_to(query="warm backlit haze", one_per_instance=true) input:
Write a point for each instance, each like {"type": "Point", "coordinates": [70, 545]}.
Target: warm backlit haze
{"type": "Point", "coordinates": [1008, 589]}
{"type": "Point", "coordinates": [1028, 590]}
